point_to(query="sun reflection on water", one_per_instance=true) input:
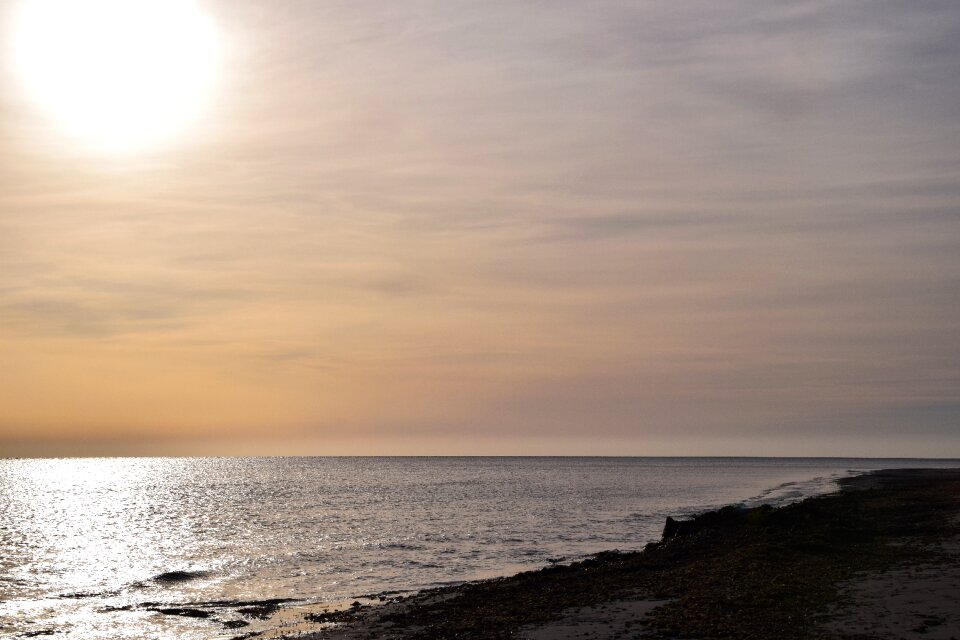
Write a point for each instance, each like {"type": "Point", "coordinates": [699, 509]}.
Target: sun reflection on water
{"type": "Point", "coordinates": [78, 515]}
{"type": "Point", "coordinates": [92, 528]}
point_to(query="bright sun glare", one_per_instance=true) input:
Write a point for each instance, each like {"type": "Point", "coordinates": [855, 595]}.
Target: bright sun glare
{"type": "Point", "coordinates": [118, 75]}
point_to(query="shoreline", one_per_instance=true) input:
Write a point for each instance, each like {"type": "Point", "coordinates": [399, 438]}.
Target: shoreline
{"type": "Point", "coordinates": [804, 570]}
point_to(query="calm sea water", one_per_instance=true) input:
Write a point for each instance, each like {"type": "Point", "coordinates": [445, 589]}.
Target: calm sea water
{"type": "Point", "coordinates": [81, 541]}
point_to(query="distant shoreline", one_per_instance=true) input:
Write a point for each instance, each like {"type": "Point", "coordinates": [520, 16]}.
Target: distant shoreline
{"type": "Point", "coordinates": [787, 572]}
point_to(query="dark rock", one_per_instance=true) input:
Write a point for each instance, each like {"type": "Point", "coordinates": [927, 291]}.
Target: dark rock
{"type": "Point", "coordinates": [188, 613]}
{"type": "Point", "coordinates": [240, 603]}
{"type": "Point", "coordinates": [235, 624]}
{"type": "Point", "coordinates": [109, 608]}
{"type": "Point", "coordinates": [726, 517]}
{"type": "Point", "coordinates": [670, 528]}
{"type": "Point", "coordinates": [321, 617]}
{"type": "Point", "coordinates": [179, 576]}
{"type": "Point", "coordinates": [261, 611]}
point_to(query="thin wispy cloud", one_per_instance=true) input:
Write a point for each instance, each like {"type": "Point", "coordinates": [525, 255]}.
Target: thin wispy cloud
{"type": "Point", "coordinates": [543, 222]}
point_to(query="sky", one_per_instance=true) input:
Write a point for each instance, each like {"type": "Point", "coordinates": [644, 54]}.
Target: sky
{"type": "Point", "coordinates": [502, 227]}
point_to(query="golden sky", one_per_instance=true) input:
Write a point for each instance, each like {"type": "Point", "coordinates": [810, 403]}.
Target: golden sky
{"type": "Point", "coordinates": [635, 228]}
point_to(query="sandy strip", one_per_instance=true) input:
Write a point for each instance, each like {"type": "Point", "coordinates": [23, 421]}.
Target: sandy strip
{"type": "Point", "coordinates": [614, 620]}
{"type": "Point", "coordinates": [921, 600]}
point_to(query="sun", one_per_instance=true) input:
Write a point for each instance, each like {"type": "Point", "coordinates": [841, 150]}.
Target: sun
{"type": "Point", "coordinates": [117, 75]}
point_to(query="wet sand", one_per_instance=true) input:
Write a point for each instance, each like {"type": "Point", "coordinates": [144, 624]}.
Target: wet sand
{"type": "Point", "coordinates": [879, 559]}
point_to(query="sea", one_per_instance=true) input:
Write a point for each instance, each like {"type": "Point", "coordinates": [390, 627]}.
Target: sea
{"type": "Point", "coordinates": [94, 548]}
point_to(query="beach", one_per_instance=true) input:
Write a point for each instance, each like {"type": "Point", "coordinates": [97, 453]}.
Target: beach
{"type": "Point", "coordinates": [878, 559]}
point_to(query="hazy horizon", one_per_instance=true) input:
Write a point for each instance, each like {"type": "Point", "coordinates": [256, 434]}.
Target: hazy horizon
{"type": "Point", "coordinates": [639, 228]}
{"type": "Point", "coordinates": [75, 456]}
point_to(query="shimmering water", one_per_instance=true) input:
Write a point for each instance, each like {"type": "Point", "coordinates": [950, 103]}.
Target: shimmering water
{"type": "Point", "coordinates": [81, 541]}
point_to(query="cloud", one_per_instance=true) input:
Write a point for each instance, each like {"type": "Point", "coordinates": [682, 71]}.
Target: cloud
{"type": "Point", "coordinates": [719, 220]}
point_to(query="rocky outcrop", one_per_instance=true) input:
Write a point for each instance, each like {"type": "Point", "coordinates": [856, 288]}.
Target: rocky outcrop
{"type": "Point", "coordinates": [732, 516]}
